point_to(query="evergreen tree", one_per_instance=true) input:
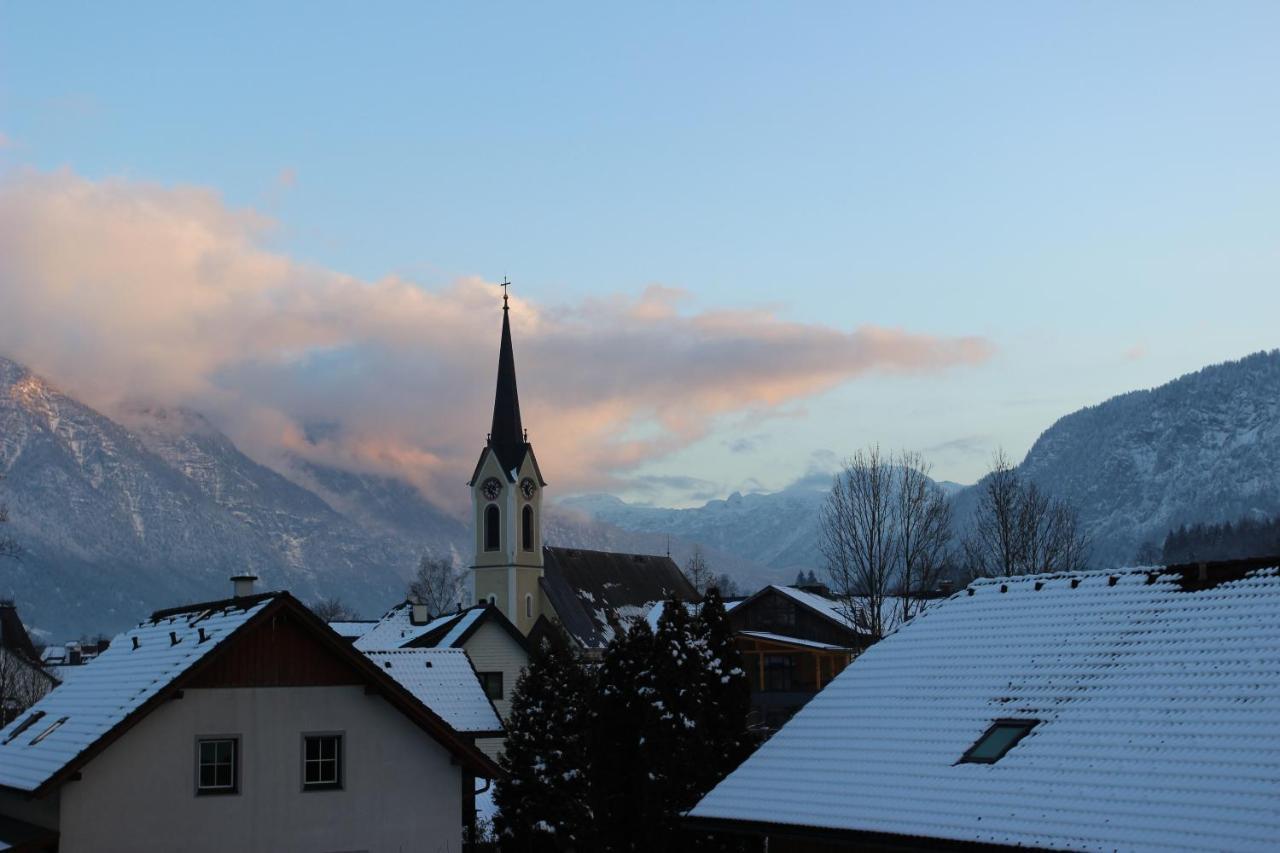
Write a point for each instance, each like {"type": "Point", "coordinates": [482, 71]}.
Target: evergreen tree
{"type": "Point", "coordinates": [621, 795]}
{"type": "Point", "coordinates": [725, 694]}
{"type": "Point", "coordinates": [542, 804]}
{"type": "Point", "coordinates": [726, 701]}
{"type": "Point", "coordinates": [673, 747]}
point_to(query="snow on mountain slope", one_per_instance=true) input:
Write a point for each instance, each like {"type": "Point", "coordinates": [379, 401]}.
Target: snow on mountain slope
{"type": "Point", "coordinates": [116, 522]}
{"type": "Point", "coordinates": [777, 531]}
{"type": "Point", "coordinates": [1204, 447]}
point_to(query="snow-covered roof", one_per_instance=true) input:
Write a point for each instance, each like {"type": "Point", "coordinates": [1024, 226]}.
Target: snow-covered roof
{"type": "Point", "coordinates": [353, 629]}
{"type": "Point", "coordinates": [396, 629]}
{"type": "Point", "coordinates": [460, 627]}
{"type": "Point", "coordinates": [655, 612]}
{"type": "Point", "coordinates": [139, 663]}
{"type": "Point", "coordinates": [825, 606]}
{"type": "Point", "coordinates": [444, 681]}
{"type": "Point", "coordinates": [793, 641]}
{"type": "Point", "coordinates": [1158, 701]}
{"type": "Point", "coordinates": [65, 672]}
{"type": "Point", "coordinates": [596, 593]}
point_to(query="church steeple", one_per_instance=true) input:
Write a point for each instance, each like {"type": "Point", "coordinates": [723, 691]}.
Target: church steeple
{"type": "Point", "coordinates": [506, 500]}
{"type": "Point", "coordinates": [506, 434]}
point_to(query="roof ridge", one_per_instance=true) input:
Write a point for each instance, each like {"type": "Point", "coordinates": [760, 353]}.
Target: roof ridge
{"type": "Point", "coordinates": [244, 602]}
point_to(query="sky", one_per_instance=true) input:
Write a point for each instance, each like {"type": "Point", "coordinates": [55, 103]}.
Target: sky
{"type": "Point", "coordinates": [744, 239]}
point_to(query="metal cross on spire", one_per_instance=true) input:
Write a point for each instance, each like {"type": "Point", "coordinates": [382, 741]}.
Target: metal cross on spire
{"type": "Point", "coordinates": [504, 284]}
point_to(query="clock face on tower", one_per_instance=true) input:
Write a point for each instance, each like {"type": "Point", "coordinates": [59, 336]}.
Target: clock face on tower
{"type": "Point", "coordinates": [528, 487]}
{"type": "Point", "coordinates": [491, 488]}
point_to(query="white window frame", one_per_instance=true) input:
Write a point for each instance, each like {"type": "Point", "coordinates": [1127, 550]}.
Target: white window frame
{"type": "Point", "coordinates": [339, 761]}
{"type": "Point", "coordinates": [218, 790]}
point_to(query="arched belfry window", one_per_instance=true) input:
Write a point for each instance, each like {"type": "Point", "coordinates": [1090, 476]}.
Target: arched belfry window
{"type": "Point", "coordinates": [492, 528]}
{"type": "Point", "coordinates": [526, 528]}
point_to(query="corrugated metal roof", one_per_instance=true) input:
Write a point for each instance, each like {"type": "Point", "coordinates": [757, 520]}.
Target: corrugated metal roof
{"type": "Point", "coordinates": [1159, 710]}
{"type": "Point", "coordinates": [139, 663]}
{"type": "Point", "coordinates": [443, 680]}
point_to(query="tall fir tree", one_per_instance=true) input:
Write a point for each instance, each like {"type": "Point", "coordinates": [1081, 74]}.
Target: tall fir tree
{"type": "Point", "coordinates": [673, 731]}
{"type": "Point", "coordinates": [725, 695]}
{"type": "Point", "coordinates": [622, 798]}
{"type": "Point", "coordinates": [542, 803]}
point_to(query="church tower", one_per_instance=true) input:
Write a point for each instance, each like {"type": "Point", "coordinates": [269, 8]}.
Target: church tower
{"type": "Point", "coordinates": [506, 501]}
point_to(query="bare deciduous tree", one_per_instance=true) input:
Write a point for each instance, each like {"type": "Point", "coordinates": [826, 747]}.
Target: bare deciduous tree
{"type": "Point", "coordinates": [1020, 530]}
{"type": "Point", "coordinates": [22, 684]}
{"type": "Point", "coordinates": [697, 570]}
{"type": "Point", "coordinates": [332, 609]}
{"type": "Point", "coordinates": [923, 521]}
{"type": "Point", "coordinates": [858, 538]}
{"type": "Point", "coordinates": [437, 584]}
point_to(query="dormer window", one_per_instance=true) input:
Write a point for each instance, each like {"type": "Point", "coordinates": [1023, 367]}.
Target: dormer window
{"type": "Point", "coordinates": [997, 740]}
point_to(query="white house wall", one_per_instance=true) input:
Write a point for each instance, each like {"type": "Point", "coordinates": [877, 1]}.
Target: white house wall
{"type": "Point", "coordinates": [492, 649]}
{"type": "Point", "coordinates": [400, 790]}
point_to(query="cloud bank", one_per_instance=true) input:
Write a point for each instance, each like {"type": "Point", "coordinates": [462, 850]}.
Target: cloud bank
{"type": "Point", "coordinates": [119, 291]}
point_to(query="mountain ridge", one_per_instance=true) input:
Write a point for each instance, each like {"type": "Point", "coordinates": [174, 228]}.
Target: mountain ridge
{"type": "Point", "coordinates": [155, 506]}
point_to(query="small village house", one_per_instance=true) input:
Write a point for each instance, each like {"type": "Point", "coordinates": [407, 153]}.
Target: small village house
{"type": "Point", "coordinates": [241, 724]}
{"type": "Point", "coordinates": [793, 643]}
{"type": "Point", "coordinates": [1132, 710]}
{"type": "Point", "coordinates": [497, 652]}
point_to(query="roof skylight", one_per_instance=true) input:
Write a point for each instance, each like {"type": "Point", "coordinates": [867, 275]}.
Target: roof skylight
{"type": "Point", "coordinates": [44, 734]}
{"type": "Point", "coordinates": [24, 725]}
{"type": "Point", "coordinates": [997, 740]}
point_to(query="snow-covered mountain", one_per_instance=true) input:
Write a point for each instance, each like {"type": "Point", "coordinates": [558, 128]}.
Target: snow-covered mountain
{"type": "Point", "coordinates": [119, 516]}
{"type": "Point", "coordinates": [1204, 447]}
{"type": "Point", "coordinates": [115, 521]}
{"type": "Point", "coordinates": [157, 507]}
{"type": "Point", "coordinates": [777, 531]}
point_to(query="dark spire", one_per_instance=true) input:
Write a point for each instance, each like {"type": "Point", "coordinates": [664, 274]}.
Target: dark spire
{"type": "Point", "coordinates": [506, 435]}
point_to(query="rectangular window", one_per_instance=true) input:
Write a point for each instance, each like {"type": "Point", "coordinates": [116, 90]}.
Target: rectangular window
{"type": "Point", "coordinates": [997, 740]}
{"type": "Point", "coordinates": [778, 671]}
{"type": "Point", "coordinates": [492, 684]}
{"type": "Point", "coordinates": [217, 765]}
{"type": "Point", "coordinates": [321, 762]}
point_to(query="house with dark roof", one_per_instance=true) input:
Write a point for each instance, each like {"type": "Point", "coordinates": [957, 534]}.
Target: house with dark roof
{"type": "Point", "coordinates": [241, 724]}
{"type": "Point", "coordinates": [590, 593]}
{"type": "Point", "coordinates": [793, 643]}
{"type": "Point", "coordinates": [496, 650]}
{"type": "Point", "coordinates": [1126, 710]}
{"type": "Point", "coordinates": [23, 679]}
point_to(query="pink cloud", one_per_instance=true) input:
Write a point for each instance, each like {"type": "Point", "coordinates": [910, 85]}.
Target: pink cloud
{"type": "Point", "coordinates": [121, 290]}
